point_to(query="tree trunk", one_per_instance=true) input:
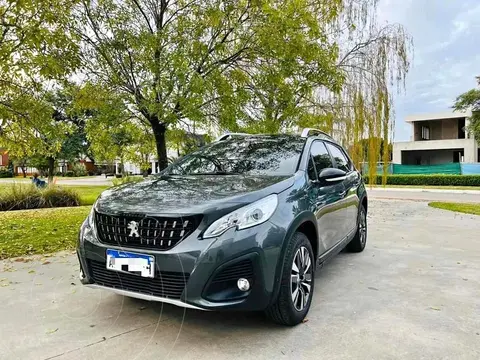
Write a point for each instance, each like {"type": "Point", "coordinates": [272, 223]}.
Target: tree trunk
{"type": "Point", "coordinates": [161, 144]}
{"type": "Point", "coordinates": [24, 171]}
{"type": "Point", "coordinates": [51, 169]}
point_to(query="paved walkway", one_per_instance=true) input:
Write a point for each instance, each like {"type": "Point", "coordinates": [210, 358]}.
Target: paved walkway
{"type": "Point", "coordinates": [412, 294]}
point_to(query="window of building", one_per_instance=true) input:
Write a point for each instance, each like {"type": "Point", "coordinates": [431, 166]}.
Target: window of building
{"type": "Point", "coordinates": [425, 133]}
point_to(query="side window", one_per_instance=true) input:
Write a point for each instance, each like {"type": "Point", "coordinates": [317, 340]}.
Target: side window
{"type": "Point", "coordinates": [340, 159]}
{"type": "Point", "coordinates": [321, 157]}
{"type": "Point", "coordinates": [312, 175]}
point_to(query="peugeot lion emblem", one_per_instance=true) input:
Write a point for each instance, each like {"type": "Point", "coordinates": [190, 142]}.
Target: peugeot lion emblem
{"type": "Point", "coordinates": [133, 227]}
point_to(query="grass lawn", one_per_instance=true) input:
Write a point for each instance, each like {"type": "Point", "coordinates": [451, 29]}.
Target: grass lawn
{"type": "Point", "coordinates": [27, 232]}
{"type": "Point", "coordinates": [88, 193]}
{"type": "Point", "coordinates": [457, 207]}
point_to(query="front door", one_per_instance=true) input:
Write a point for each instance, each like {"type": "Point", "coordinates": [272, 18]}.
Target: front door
{"type": "Point", "coordinates": [350, 201]}
{"type": "Point", "coordinates": [325, 199]}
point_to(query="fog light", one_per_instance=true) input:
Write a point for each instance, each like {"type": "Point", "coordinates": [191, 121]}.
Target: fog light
{"type": "Point", "coordinates": [243, 284]}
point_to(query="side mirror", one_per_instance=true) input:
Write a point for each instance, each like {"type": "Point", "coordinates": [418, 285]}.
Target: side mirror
{"type": "Point", "coordinates": [330, 176]}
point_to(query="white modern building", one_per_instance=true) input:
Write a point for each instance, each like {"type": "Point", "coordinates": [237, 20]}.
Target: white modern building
{"type": "Point", "coordinates": [437, 139]}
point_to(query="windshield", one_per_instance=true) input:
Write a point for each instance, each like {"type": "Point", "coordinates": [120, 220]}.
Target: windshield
{"type": "Point", "coordinates": [255, 155]}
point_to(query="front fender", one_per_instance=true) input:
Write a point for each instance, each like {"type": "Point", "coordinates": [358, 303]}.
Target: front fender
{"type": "Point", "coordinates": [301, 218]}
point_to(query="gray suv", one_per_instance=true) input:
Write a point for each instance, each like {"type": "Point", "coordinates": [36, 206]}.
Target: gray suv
{"type": "Point", "coordinates": [241, 224]}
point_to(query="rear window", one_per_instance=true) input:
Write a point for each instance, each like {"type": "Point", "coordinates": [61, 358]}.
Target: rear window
{"type": "Point", "coordinates": [256, 155]}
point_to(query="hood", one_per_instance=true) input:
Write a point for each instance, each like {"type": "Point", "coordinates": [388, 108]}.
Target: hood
{"type": "Point", "coordinates": [187, 195]}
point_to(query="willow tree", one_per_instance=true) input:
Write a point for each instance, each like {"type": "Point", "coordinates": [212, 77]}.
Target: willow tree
{"type": "Point", "coordinates": [374, 61]}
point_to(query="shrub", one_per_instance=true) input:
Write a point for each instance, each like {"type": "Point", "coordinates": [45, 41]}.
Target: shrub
{"type": "Point", "coordinates": [21, 197]}
{"type": "Point", "coordinates": [79, 170]}
{"type": "Point", "coordinates": [69, 173]}
{"type": "Point", "coordinates": [127, 179]}
{"type": "Point", "coordinates": [5, 173]}
{"type": "Point", "coordinates": [429, 180]}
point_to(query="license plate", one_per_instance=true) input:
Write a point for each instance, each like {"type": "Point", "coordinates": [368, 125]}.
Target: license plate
{"type": "Point", "coordinates": [137, 264]}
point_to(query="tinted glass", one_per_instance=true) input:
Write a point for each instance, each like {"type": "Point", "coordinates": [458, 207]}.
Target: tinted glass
{"type": "Point", "coordinates": [340, 158]}
{"type": "Point", "coordinates": [321, 157]}
{"type": "Point", "coordinates": [311, 170]}
{"type": "Point", "coordinates": [260, 155]}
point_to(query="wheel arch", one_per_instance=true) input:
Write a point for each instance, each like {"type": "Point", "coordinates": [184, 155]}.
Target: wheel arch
{"type": "Point", "coordinates": [306, 223]}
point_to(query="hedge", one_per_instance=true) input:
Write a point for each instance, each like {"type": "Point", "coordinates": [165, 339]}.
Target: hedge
{"type": "Point", "coordinates": [4, 173]}
{"type": "Point", "coordinates": [430, 180]}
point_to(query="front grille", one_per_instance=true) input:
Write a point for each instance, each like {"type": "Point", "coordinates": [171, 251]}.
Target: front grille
{"type": "Point", "coordinates": [164, 284]}
{"type": "Point", "coordinates": [242, 269]}
{"type": "Point", "coordinates": [139, 231]}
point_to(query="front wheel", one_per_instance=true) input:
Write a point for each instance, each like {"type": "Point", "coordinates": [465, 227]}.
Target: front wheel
{"type": "Point", "coordinates": [297, 283]}
{"type": "Point", "coordinates": [360, 239]}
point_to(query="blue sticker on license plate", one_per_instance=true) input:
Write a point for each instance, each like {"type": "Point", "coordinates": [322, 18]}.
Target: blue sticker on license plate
{"type": "Point", "coordinates": [132, 263]}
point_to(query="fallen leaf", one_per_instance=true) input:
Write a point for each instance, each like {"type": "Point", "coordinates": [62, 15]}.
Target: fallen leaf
{"type": "Point", "coordinates": [46, 262]}
{"type": "Point", "coordinates": [142, 308]}
{"type": "Point", "coordinates": [93, 325]}
{"type": "Point", "coordinates": [305, 320]}
{"type": "Point", "coordinates": [373, 288]}
{"type": "Point", "coordinates": [72, 283]}
{"type": "Point", "coordinates": [435, 308]}
{"type": "Point", "coordinates": [52, 331]}
{"type": "Point", "coordinates": [31, 271]}
{"type": "Point", "coordinates": [38, 284]}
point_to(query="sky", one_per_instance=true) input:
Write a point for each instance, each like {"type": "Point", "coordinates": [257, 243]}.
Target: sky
{"type": "Point", "coordinates": [446, 54]}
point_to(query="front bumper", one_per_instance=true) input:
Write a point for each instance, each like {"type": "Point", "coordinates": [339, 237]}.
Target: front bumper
{"type": "Point", "coordinates": [201, 260]}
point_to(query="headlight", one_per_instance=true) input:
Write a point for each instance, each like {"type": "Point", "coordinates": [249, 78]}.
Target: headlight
{"type": "Point", "coordinates": [245, 217]}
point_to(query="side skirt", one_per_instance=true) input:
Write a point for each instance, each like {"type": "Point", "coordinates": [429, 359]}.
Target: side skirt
{"type": "Point", "coordinates": [321, 260]}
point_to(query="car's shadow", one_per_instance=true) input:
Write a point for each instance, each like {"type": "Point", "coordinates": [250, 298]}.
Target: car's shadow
{"type": "Point", "coordinates": [237, 319]}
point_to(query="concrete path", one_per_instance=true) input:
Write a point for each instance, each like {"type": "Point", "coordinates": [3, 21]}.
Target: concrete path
{"type": "Point", "coordinates": [412, 294]}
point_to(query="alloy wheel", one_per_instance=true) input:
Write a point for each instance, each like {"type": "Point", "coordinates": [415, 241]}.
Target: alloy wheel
{"type": "Point", "coordinates": [362, 227]}
{"type": "Point", "coordinates": [301, 278]}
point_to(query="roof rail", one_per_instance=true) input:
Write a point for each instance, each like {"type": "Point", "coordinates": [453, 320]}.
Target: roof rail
{"type": "Point", "coordinates": [314, 132]}
{"type": "Point", "coordinates": [229, 135]}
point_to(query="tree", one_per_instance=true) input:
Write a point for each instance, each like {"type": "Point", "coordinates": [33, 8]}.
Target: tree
{"type": "Point", "coordinates": [37, 52]}
{"type": "Point", "coordinates": [192, 60]}
{"type": "Point", "coordinates": [37, 125]}
{"type": "Point", "coordinates": [471, 100]}
{"type": "Point", "coordinates": [374, 60]}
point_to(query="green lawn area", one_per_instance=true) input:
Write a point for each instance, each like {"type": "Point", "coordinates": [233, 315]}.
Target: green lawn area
{"type": "Point", "coordinates": [457, 207]}
{"type": "Point", "coordinates": [88, 193]}
{"type": "Point", "coordinates": [27, 232]}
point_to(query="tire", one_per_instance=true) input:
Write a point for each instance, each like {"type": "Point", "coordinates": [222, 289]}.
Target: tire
{"type": "Point", "coordinates": [284, 310]}
{"type": "Point", "coordinates": [360, 239]}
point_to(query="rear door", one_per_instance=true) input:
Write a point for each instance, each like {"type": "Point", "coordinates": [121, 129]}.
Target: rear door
{"type": "Point", "coordinates": [325, 198]}
{"type": "Point", "coordinates": [350, 201]}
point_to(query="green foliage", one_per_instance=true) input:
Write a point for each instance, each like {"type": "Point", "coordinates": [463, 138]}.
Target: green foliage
{"type": "Point", "coordinates": [20, 197]}
{"type": "Point", "coordinates": [5, 173]}
{"type": "Point", "coordinates": [429, 180]}
{"type": "Point", "coordinates": [471, 100]}
{"type": "Point", "coordinates": [457, 207]}
{"type": "Point", "coordinates": [208, 61]}
{"type": "Point", "coordinates": [27, 232]}
{"type": "Point", "coordinates": [78, 169]}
